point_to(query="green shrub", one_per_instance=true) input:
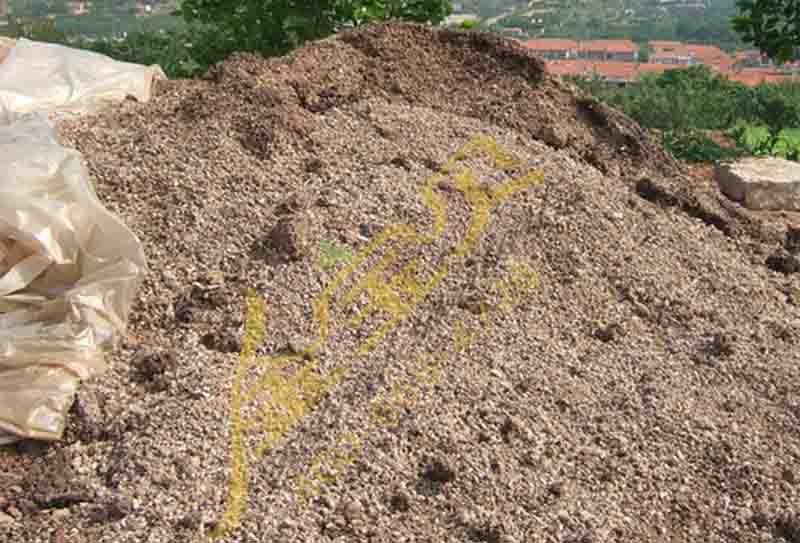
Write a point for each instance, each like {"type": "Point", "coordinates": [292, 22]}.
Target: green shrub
{"type": "Point", "coordinates": [276, 27]}
{"type": "Point", "coordinates": [759, 140]}
{"type": "Point", "coordinates": [695, 146]}
{"type": "Point", "coordinates": [787, 144]}
{"type": "Point", "coordinates": [210, 30]}
{"type": "Point", "coordinates": [180, 53]}
{"type": "Point", "coordinates": [755, 139]}
{"type": "Point", "coordinates": [682, 103]}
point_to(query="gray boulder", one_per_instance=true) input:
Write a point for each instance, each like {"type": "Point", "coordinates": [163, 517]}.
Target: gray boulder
{"type": "Point", "coordinates": [761, 183]}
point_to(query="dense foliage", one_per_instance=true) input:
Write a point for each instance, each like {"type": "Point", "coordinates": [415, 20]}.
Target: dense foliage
{"type": "Point", "coordinates": [759, 140]}
{"type": "Point", "coordinates": [210, 30]}
{"type": "Point", "coordinates": [637, 20]}
{"type": "Point", "coordinates": [276, 26]}
{"type": "Point", "coordinates": [771, 25]}
{"type": "Point", "coordinates": [685, 104]}
{"type": "Point", "coordinates": [697, 146]}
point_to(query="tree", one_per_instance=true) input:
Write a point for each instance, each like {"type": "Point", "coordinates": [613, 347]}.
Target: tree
{"type": "Point", "coordinates": [771, 25]}
{"type": "Point", "coordinates": [644, 52]}
{"type": "Point", "coordinates": [274, 27]}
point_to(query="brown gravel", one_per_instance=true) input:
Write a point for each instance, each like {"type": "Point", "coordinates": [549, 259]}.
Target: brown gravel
{"type": "Point", "coordinates": [647, 390]}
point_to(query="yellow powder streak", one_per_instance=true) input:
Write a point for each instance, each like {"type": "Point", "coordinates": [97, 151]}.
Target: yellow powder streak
{"type": "Point", "coordinates": [291, 398]}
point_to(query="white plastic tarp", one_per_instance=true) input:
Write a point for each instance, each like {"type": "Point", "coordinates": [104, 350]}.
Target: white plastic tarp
{"type": "Point", "coordinates": [5, 46]}
{"type": "Point", "coordinates": [43, 77]}
{"type": "Point", "coordinates": [69, 269]}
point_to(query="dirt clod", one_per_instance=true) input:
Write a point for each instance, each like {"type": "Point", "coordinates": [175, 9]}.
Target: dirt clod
{"type": "Point", "coordinates": [787, 526]}
{"type": "Point", "coordinates": [783, 263]}
{"type": "Point", "coordinates": [792, 241]}
{"type": "Point", "coordinates": [608, 333]}
{"type": "Point", "coordinates": [152, 368]}
{"type": "Point", "coordinates": [223, 341]}
{"type": "Point", "coordinates": [400, 502]}
{"type": "Point", "coordinates": [288, 239]}
{"type": "Point", "coordinates": [438, 471]}
{"type": "Point", "coordinates": [112, 509]}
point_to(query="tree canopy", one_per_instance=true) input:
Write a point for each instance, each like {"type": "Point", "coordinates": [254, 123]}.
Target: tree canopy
{"type": "Point", "coordinates": [276, 26]}
{"type": "Point", "coordinates": [771, 25]}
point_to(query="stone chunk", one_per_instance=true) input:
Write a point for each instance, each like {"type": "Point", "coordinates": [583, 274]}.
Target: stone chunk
{"type": "Point", "coordinates": [761, 183]}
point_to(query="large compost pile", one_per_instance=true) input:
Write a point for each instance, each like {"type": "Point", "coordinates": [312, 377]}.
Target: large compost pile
{"type": "Point", "coordinates": [494, 310]}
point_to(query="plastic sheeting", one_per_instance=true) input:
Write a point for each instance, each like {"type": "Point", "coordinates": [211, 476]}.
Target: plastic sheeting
{"type": "Point", "coordinates": [69, 269]}
{"type": "Point", "coordinates": [5, 46]}
{"type": "Point", "coordinates": [59, 80]}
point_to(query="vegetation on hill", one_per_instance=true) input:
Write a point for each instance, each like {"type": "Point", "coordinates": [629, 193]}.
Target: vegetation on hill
{"type": "Point", "coordinates": [683, 105]}
{"type": "Point", "coordinates": [210, 30]}
{"type": "Point", "coordinates": [277, 26]}
{"type": "Point", "coordinates": [771, 25]}
{"type": "Point", "coordinates": [637, 20]}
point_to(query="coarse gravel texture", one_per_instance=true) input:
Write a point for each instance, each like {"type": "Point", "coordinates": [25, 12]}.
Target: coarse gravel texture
{"type": "Point", "coordinates": [645, 390]}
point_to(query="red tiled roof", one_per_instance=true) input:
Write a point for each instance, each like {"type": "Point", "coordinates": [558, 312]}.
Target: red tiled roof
{"type": "Point", "coordinates": [630, 71]}
{"type": "Point", "coordinates": [707, 53]}
{"type": "Point", "coordinates": [650, 68]}
{"type": "Point", "coordinates": [722, 65]}
{"type": "Point", "coordinates": [750, 53]}
{"type": "Point", "coordinates": [551, 44]}
{"type": "Point", "coordinates": [776, 78]}
{"type": "Point", "coordinates": [568, 67]}
{"type": "Point", "coordinates": [665, 46]}
{"type": "Point", "coordinates": [751, 79]}
{"type": "Point", "coordinates": [619, 71]}
{"type": "Point", "coordinates": [659, 57]}
{"type": "Point", "coordinates": [610, 46]}
{"type": "Point", "coordinates": [756, 76]}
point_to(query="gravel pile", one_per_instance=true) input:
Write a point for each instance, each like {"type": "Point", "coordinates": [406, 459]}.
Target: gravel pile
{"type": "Point", "coordinates": [605, 354]}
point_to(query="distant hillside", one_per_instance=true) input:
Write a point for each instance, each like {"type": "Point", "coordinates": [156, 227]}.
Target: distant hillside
{"type": "Point", "coordinates": [700, 21]}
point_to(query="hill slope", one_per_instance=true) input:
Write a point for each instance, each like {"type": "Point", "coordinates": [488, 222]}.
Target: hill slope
{"type": "Point", "coordinates": [696, 21]}
{"type": "Point", "coordinates": [565, 342]}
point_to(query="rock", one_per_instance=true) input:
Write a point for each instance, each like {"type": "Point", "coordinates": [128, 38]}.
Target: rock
{"type": "Point", "coordinates": [783, 263]}
{"type": "Point", "coordinates": [60, 514]}
{"type": "Point", "coordinates": [6, 519]}
{"type": "Point", "coordinates": [190, 521]}
{"type": "Point", "coordinates": [792, 241]}
{"type": "Point", "coordinates": [223, 341]}
{"type": "Point", "coordinates": [152, 368]}
{"type": "Point", "coordinates": [608, 333]}
{"type": "Point", "coordinates": [112, 509]}
{"type": "Point", "coordinates": [761, 183]}
{"type": "Point", "coordinates": [554, 136]}
{"type": "Point", "coordinates": [351, 510]}
{"type": "Point", "coordinates": [787, 526]}
{"type": "Point", "coordinates": [438, 472]}
{"type": "Point", "coordinates": [400, 502]}
{"type": "Point", "coordinates": [556, 489]}
{"type": "Point", "coordinates": [289, 238]}
{"type": "Point", "coordinates": [298, 344]}
{"type": "Point", "coordinates": [89, 416]}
